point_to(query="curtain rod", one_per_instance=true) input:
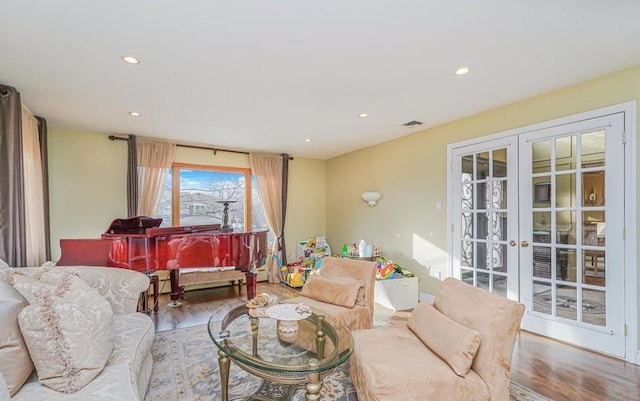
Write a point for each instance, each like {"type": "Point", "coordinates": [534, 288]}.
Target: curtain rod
{"type": "Point", "coordinates": [215, 150]}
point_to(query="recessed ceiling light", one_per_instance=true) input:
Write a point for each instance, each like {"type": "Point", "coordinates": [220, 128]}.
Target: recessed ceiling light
{"type": "Point", "coordinates": [364, 115]}
{"type": "Point", "coordinates": [307, 140]}
{"type": "Point", "coordinates": [130, 60]}
{"type": "Point", "coordinates": [134, 114]}
{"type": "Point", "coordinates": [462, 71]}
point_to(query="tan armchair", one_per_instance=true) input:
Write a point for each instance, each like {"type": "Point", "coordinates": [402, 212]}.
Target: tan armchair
{"type": "Point", "coordinates": [459, 348]}
{"type": "Point", "coordinates": [342, 291]}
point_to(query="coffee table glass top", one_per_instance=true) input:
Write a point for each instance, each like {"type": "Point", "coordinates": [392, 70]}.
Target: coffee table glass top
{"type": "Point", "coordinates": [286, 346]}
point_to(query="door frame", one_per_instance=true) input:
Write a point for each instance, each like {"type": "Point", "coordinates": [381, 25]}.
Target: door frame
{"type": "Point", "coordinates": [632, 353]}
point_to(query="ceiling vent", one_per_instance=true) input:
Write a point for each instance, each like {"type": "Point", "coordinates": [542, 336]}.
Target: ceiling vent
{"type": "Point", "coordinates": [412, 123]}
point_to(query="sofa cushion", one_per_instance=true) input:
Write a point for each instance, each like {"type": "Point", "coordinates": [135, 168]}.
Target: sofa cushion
{"type": "Point", "coordinates": [381, 370]}
{"type": "Point", "coordinates": [454, 343]}
{"type": "Point", "coordinates": [15, 363]}
{"type": "Point", "coordinates": [498, 321]}
{"type": "Point", "coordinates": [3, 265]}
{"type": "Point", "coordinates": [67, 327]}
{"type": "Point", "coordinates": [341, 291]}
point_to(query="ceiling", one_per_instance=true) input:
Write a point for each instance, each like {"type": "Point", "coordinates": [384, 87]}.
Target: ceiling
{"type": "Point", "coordinates": [265, 75]}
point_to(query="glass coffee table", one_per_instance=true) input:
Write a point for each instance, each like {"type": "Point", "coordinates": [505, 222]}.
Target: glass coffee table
{"type": "Point", "coordinates": [288, 350]}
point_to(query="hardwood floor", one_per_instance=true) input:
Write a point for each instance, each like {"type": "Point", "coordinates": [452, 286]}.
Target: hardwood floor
{"type": "Point", "coordinates": [556, 370]}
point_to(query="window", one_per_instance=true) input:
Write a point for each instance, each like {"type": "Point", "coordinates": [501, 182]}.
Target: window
{"type": "Point", "coordinates": [193, 194]}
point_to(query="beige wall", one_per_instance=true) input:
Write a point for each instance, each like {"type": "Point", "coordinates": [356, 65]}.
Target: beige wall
{"type": "Point", "coordinates": [88, 172]}
{"type": "Point", "coordinates": [411, 174]}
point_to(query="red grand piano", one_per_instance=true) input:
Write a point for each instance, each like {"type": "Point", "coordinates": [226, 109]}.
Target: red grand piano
{"type": "Point", "coordinates": [140, 244]}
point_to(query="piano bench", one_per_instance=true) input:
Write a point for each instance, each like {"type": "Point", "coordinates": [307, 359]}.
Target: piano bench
{"type": "Point", "coordinates": [204, 275]}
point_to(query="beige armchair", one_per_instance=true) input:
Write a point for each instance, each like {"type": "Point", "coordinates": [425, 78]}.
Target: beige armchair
{"type": "Point", "coordinates": [459, 348]}
{"type": "Point", "coordinates": [342, 291]}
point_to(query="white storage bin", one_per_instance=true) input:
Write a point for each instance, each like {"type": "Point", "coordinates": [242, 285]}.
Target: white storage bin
{"type": "Point", "coordinates": [397, 293]}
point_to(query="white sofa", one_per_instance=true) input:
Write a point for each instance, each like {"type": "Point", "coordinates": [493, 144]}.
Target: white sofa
{"type": "Point", "coordinates": [128, 368]}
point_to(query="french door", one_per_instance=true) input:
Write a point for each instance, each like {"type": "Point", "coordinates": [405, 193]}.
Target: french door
{"type": "Point", "coordinates": [571, 232]}
{"type": "Point", "coordinates": [539, 217]}
{"type": "Point", "coordinates": [485, 226]}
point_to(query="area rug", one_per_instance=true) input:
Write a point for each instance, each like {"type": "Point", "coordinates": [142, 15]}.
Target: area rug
{"type": "Point", "coordinates": [185, 368]}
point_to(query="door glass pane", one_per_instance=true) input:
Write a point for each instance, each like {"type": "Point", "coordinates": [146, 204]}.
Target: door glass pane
{"type": "Point", "coordinates": [542, 191]}
{"type": "Point", "coordinates": [499, 163]}
{"type": "Point", "coordinates": [594, 309]}
{"type": "Point", "coordinates": [482, 225]}
{"type": "Point", "coordinates": [467, 196]}
{"type": "Point", "coordinates": [542, 222]}
{"type": "Point", "coordinates": [500, 285]}
{"type": "Point", "coordinates": [593, 234]}
{"type": "Point", "coordinates": [565, 190]}
{"type": "Point", "coordinates": [483, 280]}
{"type": "Point", "coordinates": [466, 254]}
{"type": "Point", "coordinates": [566, 302]}
{"type": "Point", "coordinates": [542, 297]}
{"type": "Point", "coordinates": [593, 149]}
{"type": "Point", "coordinates": [482, 165]}
{"type": "Point", "coordinates": [594, 227]}
{"type": "Point", "coordinates": [467, 225]}
{"type": "Point", "coordinates": [482, 192]}
{"type": "Point", "coordinates": [499, 195]}
{"type": "Point", "coordinates": [495, 255]}
{"type": "Point", "coordinates": [467, 168]}
{"type": "Point", "coordinates": [593, 267]}
{"type": "Point", "coordinates": [562, 260]}
{"type": "Point", "coordinates": [541, 156]}
{"type": "Point", "coordinates": [566, 227]}
{"type": "Point", "coordinates": [481, 260]}
{"type": "Point", "coordinates": [568, 259]}
{"type": "Point", "coordinates": [566, 153]}
{"type": "Point", "coordinates": [543, 237]}
{"type": "Point", "coordinates": [466, 275]}
{"type": "Point", "coordinates": [500, 262]}
{"type": "Point", "coordinates": [542, 262]}
{"type": "Point", "coordinates": [593, 188]}
{"type": "Point", "coordinates": [499, 226]}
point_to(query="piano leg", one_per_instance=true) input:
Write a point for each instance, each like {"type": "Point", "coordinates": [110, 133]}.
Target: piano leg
{"type": "Point", "coordinates": [252, 280]}
{"type": "Point", "coordinates": [177, 292]}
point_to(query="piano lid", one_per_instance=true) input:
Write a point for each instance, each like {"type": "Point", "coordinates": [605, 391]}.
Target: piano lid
{"type": "Point", "coordinates": [133, 225]}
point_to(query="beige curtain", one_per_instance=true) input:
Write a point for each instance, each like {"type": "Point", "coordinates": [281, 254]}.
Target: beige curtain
{"type": "Point", "coordinates": [268, 171]}
{"type": "Point", "coordinates": [33, 191]}
{"type": "Point", "coordinates": [154, 162]}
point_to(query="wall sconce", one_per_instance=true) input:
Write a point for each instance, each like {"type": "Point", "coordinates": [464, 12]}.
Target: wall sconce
{"type": "Point", "coordinates": [371, 198]}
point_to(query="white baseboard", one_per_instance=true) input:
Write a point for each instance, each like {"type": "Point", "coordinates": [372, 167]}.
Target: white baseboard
{"type": "Point", "coordinates": [426, 297]}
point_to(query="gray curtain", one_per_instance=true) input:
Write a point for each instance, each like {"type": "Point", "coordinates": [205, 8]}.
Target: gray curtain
{"type": "Point", "coordinates": [44, 154]}
{"type": "Point", "coordinates": [285, 185]}
{"type": "Point", "coordinates": [12, 229]}
{"type": "Point", "coordinates": [132, 177]}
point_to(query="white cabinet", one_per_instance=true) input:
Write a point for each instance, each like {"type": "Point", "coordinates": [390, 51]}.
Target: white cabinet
{"type": "Point", "coordinates": [397, 293]}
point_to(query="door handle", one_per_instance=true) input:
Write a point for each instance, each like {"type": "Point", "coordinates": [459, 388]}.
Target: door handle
{"type": "Point", "coordinates": [513, 242]}
{"type": "Point", "coordinates": [524, 244]}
